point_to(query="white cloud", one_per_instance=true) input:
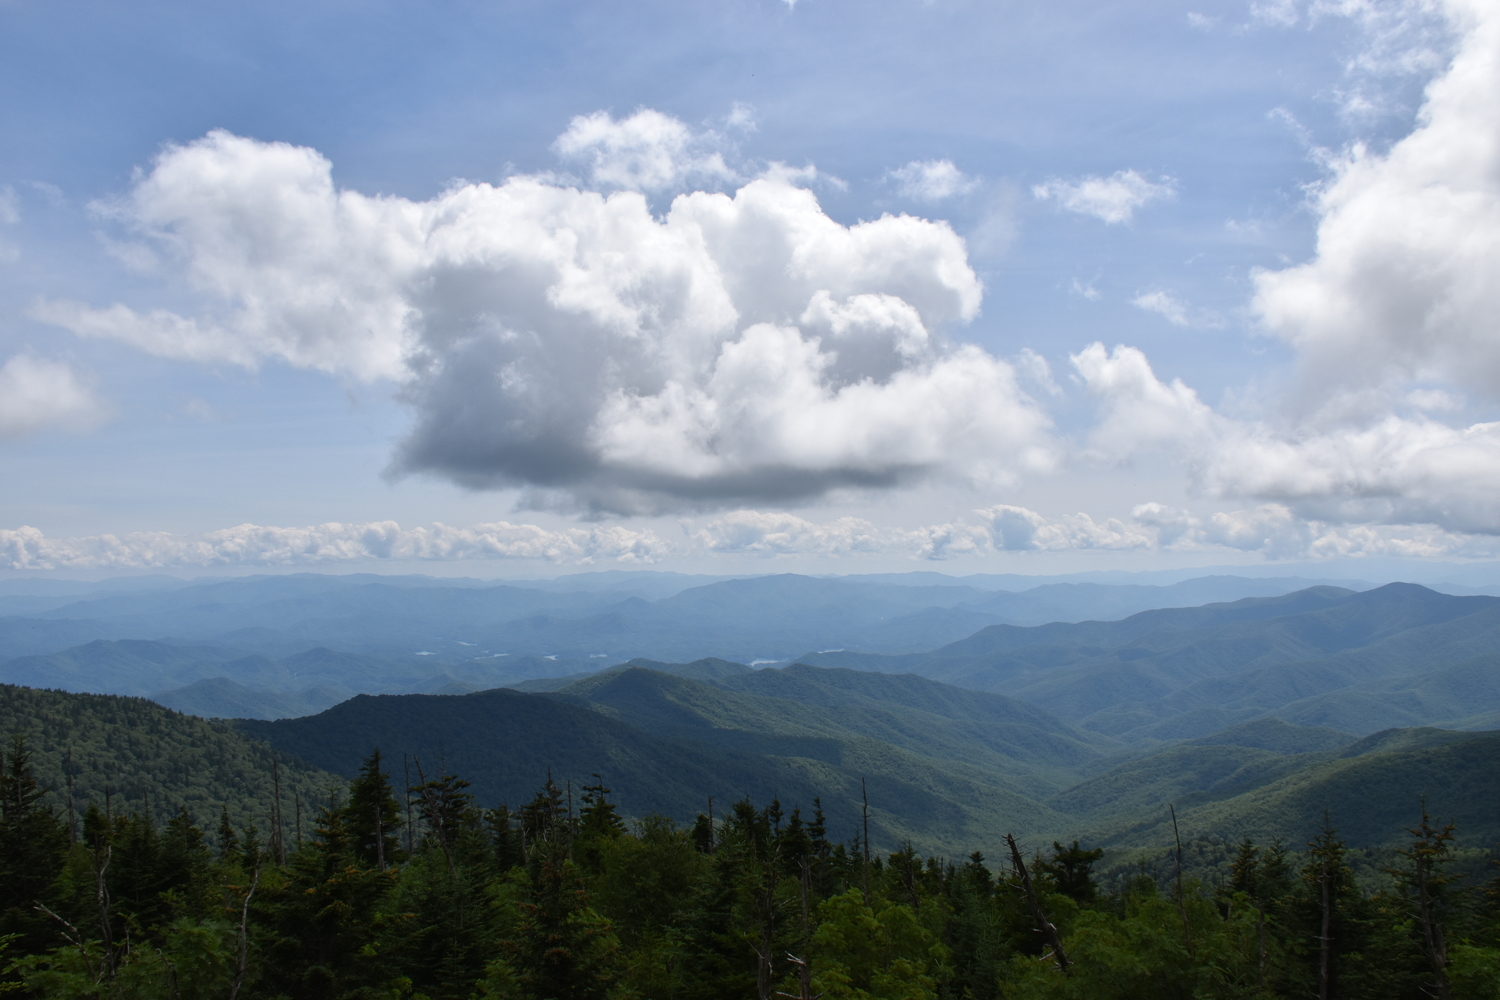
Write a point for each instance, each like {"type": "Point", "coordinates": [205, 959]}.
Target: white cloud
{"type": "Point", "coordinates": [1277, 532]}
{"type": "Point", "coordinates": [741, 346]}
{"type": "Point", "coordinates": [780, 533]}
{"type": "Point", "coordinates": [162, 333]}
{"type": "Point", "coordinates": [1019, 529]}
{"type": "Point", "coordinates": [1392, 470]}
{"type": "Point", "coordinates": [932, 180]}
{"type": "Point", "coordinates": [1164, 305]}
{"type": "Point", "coordinates": [1138, 410]}
{"type": "Point", "coordinates": [1036, 369]}
{"type": "Point", "coordinates": [254, 545]}
{"type": "Point", "coordinates": [648, 151]}
{"type": "Point", "coordinates": [1271, 530]}
{"type": "Point", "coordinates": [1113, 199]}
{"type": "Point", "coordinates": [1397, 470]}
{"type": "Point", "coordinates": [1274, 531]}
{"type": "Point", "coordinates": [1403, 285]}
{"type": "Point", "coordinates": [311, 275]}
{"type": "Point", "coordinates": [36, 394]}
{"type": "Point", "coordinates": [1434, 400]}
{"type": "Point", "coordinates": [10, 214]}
{"type": "Point", "coordinates": [1085, 290]}
{"type": "Point", "coordinates": [741, 116]}
{"type": "Point", "coordinates": [1279, 13]}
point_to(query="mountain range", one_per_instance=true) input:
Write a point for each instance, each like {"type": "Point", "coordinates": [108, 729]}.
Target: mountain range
{"type": "Point", "coordinates": [272, 646]}
{"type": "Point", "coordinates": [1398, 655]}
{"type": "Point", "coordinates": [1252, 716]}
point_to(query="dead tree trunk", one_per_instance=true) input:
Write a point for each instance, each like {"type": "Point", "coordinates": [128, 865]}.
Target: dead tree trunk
{"type": "Point", "coordinates": [1187, 932]}
{"type": "Point", "coordinates": [1043, 925]}
{"type": "Point", "coordinates": [1325, 939]}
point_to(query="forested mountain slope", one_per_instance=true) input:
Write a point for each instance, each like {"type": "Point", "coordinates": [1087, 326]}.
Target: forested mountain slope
{"type": "Point", "coordinates": [665, 744]}
{"type": "Point", "coordinates": [149, 757]}
{"type": "Point", "coordinates": [945, 767]}
{"type": "Point", "coordinates": [1322, 656]}
{"type": "Point", "coordinates": [1365, 788]}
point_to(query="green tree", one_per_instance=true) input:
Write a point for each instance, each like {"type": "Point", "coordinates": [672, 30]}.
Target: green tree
{"type": "Point", "coordinates": [1144, 953]}
{"type": "Point", "coordinates": [562, 948]}
{"type": "Point", "coordinates": [1070, 870]}
{"type": "Point", "coordinates": [1425, 884]}
{"type": "Point", "coordinates": [33, 843]}
{"type": "Point", "coordinates": [372, 817]}
{"type": "Point", "coordinates": [874, 951]}
{"type": "Point", "coordinates": [598, 824]}
{"type": "Point", "coordinates": [320, 918]}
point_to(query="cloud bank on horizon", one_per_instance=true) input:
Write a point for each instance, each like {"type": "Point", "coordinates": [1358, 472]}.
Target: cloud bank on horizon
{"type": "Point", "coordinates": [676, 330]}
{"type": "Point", "coordinates": [1271, 530]}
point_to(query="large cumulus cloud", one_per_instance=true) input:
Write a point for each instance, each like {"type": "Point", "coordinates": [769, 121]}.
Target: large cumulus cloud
{"type": "Point", "coordinates": [1406, 280]}
{"type": "Point", "coordinates": [741, 345]}
{"type": "Point", "coordinates": [1401, 297]}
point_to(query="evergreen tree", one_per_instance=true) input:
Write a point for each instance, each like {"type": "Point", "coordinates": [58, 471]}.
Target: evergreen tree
{"type": "Point", "coordinates": [599, 818]}
{"type": "Point", "coordinates": [545, 817]}
{"type": "Point", "coordinates": [1425, 885]}
{"type": "Point", "coordinates": [562, 949]}
{"type": "Point", "coordinates": [505, 838]}
{"type": "Point", "coordinates": [1071, 871]}
{"type": "Point", "coordinates": [598, 823]}
{"type": "Point", "coordinates": [33, 843]}
{"type": "Point", "coordinates": [443, 805]}
{"type": "Point", "coordinates": [229, 841]}
{"type": "Point", "coordinates": [320, 919]}
{"type": "Point", "coordinates": [372, 817]}
{"type": "Point", "coordinates": [1329, 889]}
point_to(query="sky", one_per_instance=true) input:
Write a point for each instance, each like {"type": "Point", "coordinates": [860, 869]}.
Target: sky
{"type": "Point", "coordinates": [514, 288]}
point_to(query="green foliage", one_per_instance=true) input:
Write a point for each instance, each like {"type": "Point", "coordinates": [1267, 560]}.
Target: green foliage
{"type": "Point", "coordinates": [561, 949]}
{"type": "Point", "coordinates": [1148, 951]}
{"type": "Point", "coordinates": [32, 845]}
{"type": "Point", "coordinates": [372, 817]}
{"type": "Point", "coordinates": [1070, 870]}
{"type": "Point", "coordinates": [140, 756]}
{"type": "Point", "coordinates": [565, 898]}
{"type": "Point", "coordinates": [878, 950]}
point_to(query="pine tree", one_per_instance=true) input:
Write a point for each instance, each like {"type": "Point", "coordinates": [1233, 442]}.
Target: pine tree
{"type": "Point", "coordinates": [443, 806]}
{"type": "Point", "coordinates": [372, 817]}
{"type": "Point", "coordinates": [599, 817]}
{"type": "Point", "coordinates": [32, 846]}
{"type": "Point", "coordinates": [545, 817]}
{"type": "Point", "coordinates": [563, 949]}
{"type": "Point", "coordinates": [1071, 871]}
{"type": "Point", "coordinates": [229, 841]}
{"type": "Point", "coordinates": [320, 921]}
{"type": "Point", "coordinates": [505, 839]}
{"type": "Point", "coordinates": [1329, 884]}
{"type": "Point", "coordinates": [1424, 882]}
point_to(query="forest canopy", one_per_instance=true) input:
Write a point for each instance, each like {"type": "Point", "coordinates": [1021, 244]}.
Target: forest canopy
{"type": "Point", "coordinates": [396, 890]}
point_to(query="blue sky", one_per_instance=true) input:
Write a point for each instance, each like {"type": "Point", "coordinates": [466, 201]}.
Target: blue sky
{"type": "Point", "coordinates": [522, 287]}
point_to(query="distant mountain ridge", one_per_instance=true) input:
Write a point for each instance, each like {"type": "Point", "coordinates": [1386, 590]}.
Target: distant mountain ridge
{"type": "Point", "coordinates": [1321, 656]}
{"type": "Point", "coordinates": [419, 634]}
{"type": "Point", "coordinates": [947, 768]}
